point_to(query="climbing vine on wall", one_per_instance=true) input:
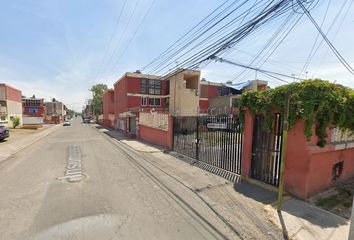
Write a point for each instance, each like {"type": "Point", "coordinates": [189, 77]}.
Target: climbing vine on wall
{"type": "Point", "coordinates": [315, 101]}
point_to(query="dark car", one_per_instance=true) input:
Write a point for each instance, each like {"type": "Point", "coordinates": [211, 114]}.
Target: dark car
{"type": "Point", "coordinates": [4, 133]}
{"type": "Point", "coordinates": [87, 120]}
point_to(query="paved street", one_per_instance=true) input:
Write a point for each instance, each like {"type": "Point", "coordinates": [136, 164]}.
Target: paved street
{"type": "Point", "coordinates": [117, 197]}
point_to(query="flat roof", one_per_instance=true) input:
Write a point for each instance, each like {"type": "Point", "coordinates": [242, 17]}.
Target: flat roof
{"type": "Point", "coordinates": [7, 85]}
{"type": "Point", "coordinates": [139, 75]}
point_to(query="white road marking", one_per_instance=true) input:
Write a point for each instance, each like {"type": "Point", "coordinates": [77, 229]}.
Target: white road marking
{"type": "Point", "coordinates": [74, 171]}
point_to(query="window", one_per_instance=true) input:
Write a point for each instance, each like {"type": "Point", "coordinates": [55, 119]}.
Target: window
{"type": "Point", "coordinates": [154, 101]}
{"type": "Point", "coordinates": [152, 87]}
{"type": "Point", "coordinates": [337, 170]}
{"type": "Point", "coordinates": [235, 102]}
{"type": "Point", "coordinates": [144, 86]}
{"type": "Point", "coordinates": [144, 101]}
{"type": "Point", "coordinates": [3, 118]}
{"type": "Point", "coordinates": [155, 87]}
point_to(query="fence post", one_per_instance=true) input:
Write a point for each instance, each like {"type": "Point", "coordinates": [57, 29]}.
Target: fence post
{"type": "Point", "coordinates": [283, 153]}
{"type": "Point", "coordinates": [351, 230]}
{"type": "Point", "coordinates": [197, 140]}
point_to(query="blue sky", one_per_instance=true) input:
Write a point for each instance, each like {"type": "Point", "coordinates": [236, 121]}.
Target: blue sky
{"type": "Point", "coordinates": [54, 48]}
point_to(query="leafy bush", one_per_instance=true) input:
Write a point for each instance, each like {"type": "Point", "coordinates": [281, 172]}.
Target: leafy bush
{"type": "Point", "coordinates": [315, 101]}
{"type": "Point", "coordinates": [15, 121]}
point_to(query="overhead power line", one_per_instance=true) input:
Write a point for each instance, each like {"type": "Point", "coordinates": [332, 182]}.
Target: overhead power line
{"type": "Point", "coordinates": [255, 69]}
{"type": "Point", "coordinates": [334, 50]}
{"type": "Point", "coordinates": [118, 59]}
{"type": "Point", "coordinates": [220, 31]}
{"type": "Point", "coordinates": [111, 39]}
{"type": "Point", "coordinates": [313, 51]}
{"type": "Point", "coordinates": [272, 10]}
{"type": "Point", "coordinates": [168, 50]}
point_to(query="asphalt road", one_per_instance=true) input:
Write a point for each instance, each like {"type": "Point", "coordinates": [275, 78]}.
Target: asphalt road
{"type": "Point", "coordinates": [112, 195]}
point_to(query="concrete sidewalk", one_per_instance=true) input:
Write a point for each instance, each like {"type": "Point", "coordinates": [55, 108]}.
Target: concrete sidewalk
{"type": "Point", "coordinates": [303, 221]}
{"type": "Point", "coordinates": [8, 149]}
{"type": "Point", "coordinates": [133, 143]}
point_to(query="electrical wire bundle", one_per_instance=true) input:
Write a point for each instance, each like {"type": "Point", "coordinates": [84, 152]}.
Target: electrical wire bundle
{"type": "Point", "coordinates": [222, 29]}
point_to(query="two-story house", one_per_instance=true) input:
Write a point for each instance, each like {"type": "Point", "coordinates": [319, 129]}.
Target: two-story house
{"type": "Point", "coordinates": [10, 104]}
{"type": "Point", "coordinates": [55, 111]}
{"type": "Point", "coordinates": [135, 92]}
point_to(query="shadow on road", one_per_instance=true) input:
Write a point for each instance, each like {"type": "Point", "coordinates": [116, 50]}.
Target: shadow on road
{"type": "Point", "coordinates": [255, 192]}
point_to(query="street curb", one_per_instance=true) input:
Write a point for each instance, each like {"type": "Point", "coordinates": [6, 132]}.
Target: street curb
{"type": "Point", "coordinates": [47, 132]}
{"type": "Point", "coordinates": [159, 149]}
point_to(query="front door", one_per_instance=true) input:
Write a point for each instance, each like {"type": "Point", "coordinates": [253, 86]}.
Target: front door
{"type": "Point", "coordinates": [266, 150]}
{"type": "Point", "coordinates": [132, 125]}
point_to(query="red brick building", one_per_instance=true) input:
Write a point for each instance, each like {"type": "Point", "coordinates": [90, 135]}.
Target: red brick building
{"type": "Point", "coordinates": [108, 109]}
{"type": "Point", "coordinates": [33, 112]}
{"type": "Point", "coordinates": [135, 92]}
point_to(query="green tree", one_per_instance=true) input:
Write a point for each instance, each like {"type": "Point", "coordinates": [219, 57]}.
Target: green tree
{"type": "Point", "coordinates": [15, 121]}
{"type": "Point", "coordinates": [97, 98]}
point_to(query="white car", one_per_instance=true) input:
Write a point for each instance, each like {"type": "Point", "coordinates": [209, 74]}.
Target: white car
{"type": "Point", "coordinates": [66, 123]}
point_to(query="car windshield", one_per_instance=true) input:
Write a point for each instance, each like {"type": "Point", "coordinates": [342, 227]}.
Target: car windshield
{"type": "Point", "coordinates": [176, 119]}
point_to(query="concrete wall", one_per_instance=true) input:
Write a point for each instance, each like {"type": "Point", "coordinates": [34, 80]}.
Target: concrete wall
{"type": "Point", "coordinates": [220, 102]}
{"type": "Point", "coordinates": [184, 98]}
{"type": "Point", "coordinates": [32, 120]}
{"type": "Point", "coordinates": [156, 120]}
{"type": "Point", "coordinates": [157, 136]}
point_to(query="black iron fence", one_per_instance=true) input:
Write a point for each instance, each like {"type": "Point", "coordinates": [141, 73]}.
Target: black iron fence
{"type": "Point", "coordinates": [215, 140]}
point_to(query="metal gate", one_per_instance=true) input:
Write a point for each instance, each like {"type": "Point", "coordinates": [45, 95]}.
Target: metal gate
{"type": "Point", "coordinates": [213, 140]}
{"type": "Point", "coordinates": [266, 150]}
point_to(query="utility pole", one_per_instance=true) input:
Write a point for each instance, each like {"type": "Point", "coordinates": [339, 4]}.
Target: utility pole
{"type": "Point", "coordinates": [351, 230]}
{"type": "Point", "coordinates": [283, 152]}
{"type": "Point", "coordinates": [93, 109]}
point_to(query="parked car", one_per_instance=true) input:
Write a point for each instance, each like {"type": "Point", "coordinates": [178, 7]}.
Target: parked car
{"type": "Point", "coordinates": [4, 133]}
{"type": "Point", "coordinates": [66, 123]}
{"type": "Point", "coordinates": [87, 120]}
